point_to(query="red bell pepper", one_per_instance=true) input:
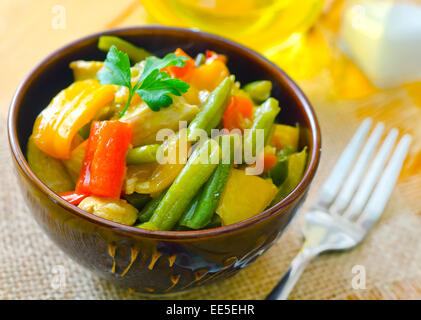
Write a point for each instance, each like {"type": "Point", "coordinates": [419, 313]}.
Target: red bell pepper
{"type": "Point", "coordinates": [181, 73]}
{"type": "Point", "coordinates": [104, 165]}
{"type": "Point", "coordinates": [269, 161]}
{"type": "Point", "coordinates": [73, 197]}
{"type": "Point", "coordinates": [238, 110]}
{"type": "Point", "coordinates": [215, 56]}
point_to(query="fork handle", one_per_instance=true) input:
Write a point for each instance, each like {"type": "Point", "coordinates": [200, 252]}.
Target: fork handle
{"type": "Point", "coordinates": [290, 278]}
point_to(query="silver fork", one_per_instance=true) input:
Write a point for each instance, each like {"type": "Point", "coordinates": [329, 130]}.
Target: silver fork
{"type": "Point", "coordinates": [350, 202]}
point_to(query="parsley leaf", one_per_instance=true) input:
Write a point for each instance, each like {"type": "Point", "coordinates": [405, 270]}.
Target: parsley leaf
{"type": "Point", "coordinates": [157, 86]}
{"type": "Point", "coordinates": [117, 69]}
{"type": "Point", "coordinates": [154, 86]}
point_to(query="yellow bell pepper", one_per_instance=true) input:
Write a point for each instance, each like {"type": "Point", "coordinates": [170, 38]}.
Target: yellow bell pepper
{"type": "Point", "coordinates": [209, 76]}
{"type": "Point", "coordinates": [70, 110]}
{"type": "Point", "coordinates": [240, 200]}
{"type": "Point", "coordinates": [283, 135]}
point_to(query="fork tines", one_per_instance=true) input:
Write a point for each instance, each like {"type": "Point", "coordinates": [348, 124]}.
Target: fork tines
{"type": "Point", "coordinates": [359, 186]}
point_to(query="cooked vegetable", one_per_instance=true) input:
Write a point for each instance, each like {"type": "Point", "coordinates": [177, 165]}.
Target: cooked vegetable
{"type": "Point", "coordinates": [104, 164]}
{"type": "Point", "coordinates": [187, 184]}
{"type": "Point", "coordinates": [137, 200]}
{"type": "Point", "coordinates": [73, 197]}
{"type": "Point", "coordinates": [215, 222]}
{"type": "Point", "coordinates": [150, 207]}
{"type": "Point", "coordinates": [209, 198]}
{"type": "Point", "coordinates": [146, 123]}
{"type": "Point", "coordinates": [117, 142]}
{"type": "Point", "coordinates": [84, 70]}
{"type": "Point", "coordinates": [239, 201]}
{"type": "Point", "coordinates": [153, 86]}
{"type": "Point", "coordinates": [116, 210]}
{"type": "Point", "coordinates": [200, 59]}
{"type": "Point", "coordinates": [212, 55]}
{"type": "Point", "coordinates": [192, 96]}
{"type": "Point", "coordinates": [184, 72]}
{"type": "Point", "coordinates": [103, 114]}
{"type": "Point", "coordinates": [263, 120]}
{"type": "Point", "coordinates": [285, 136]}
{"type": "Point", "coordinates": [259, 91]}
{"type": "Point", "coordinates": [135, 53]}
{"type": "Point", "coordinates": [269, 158]}
{"type": "Point", "coordinates": [49, 170]}
{"type": "Point", "coordinates": [142, 154]}
{"type": "Point", "coordinates": [153, 177]}
{"type": "Point", "coordinates": [75, 162]}
{"type": "Point", "coordinates": [209, 75]}
{"type": "Point", "coordinates": [70, 110]}
{"type": "Point", "coordinates": [296, 165]}
{"type": "Point", "coordinates": [279, 171]}
{"type": "Point", "coordinates": [211, 114]}
{"type": "Point", "coordinates": [184, 220]}
{"type": "Point", "coordinates": [238, 114]}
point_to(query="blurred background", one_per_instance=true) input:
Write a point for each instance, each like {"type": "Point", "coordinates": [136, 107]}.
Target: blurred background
{"type": "Point", "coordinates": [353, 59]}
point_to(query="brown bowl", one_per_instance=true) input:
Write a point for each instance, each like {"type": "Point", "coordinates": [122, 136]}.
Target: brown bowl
{"type": "Point", "coordinates": [144, 260]}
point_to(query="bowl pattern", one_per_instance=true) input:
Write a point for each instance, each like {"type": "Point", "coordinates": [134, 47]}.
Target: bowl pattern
{"type": "Point", "coordinates": [153, 261]}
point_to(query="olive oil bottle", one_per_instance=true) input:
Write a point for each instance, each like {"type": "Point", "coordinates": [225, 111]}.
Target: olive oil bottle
{"type": "Point", "coordinates": [259, 24]}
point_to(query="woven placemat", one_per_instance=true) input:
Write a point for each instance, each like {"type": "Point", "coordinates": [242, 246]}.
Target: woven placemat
{"type": "Point", "coordinates": [31, 266]}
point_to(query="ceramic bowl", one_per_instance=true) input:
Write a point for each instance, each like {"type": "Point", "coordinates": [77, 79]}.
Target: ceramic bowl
{"type": "Point", "coordinates": [157, 261]}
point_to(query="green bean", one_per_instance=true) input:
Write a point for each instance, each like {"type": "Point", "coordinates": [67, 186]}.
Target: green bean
{"type": "Point", "coordinates": [142, 154]}
{"type": "Point", "coordinates": [150, 207]}
{"type": "Point", "coordinates": [279, 172]}
{"type": "Point", "coordinates": [186, 185]}
{"type": "Point", "coordinates": [263, 120]}
{"type": "Point", "coordinates": [135, 53]}
{"type": "Point", "coordinates": [200, 59]}
{"type": "Point", "coordinates": [228, 146]}
{"type": "Point", "coordinates": [215, 222]}
{"type": "Point", "coordinates": [212, 112]}
{"type": "Point", "coordinates": [189, 213]}
{"type": "Point", "coordinates": [209, 198]}
{"type": "Point", "coordinates": [296, 165]}
{"type": "Point", "coordinates": [259, 91]}
{"type": "Point", "coordinates": [85, 131]}
{"type": "Point", "coordinates": [137, 200]}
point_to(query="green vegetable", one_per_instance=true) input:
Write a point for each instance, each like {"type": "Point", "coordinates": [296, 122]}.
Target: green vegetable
{"type": "Point", "coordinates": [85, 131]}
{"type": "Point", "coordinates": [154, 86]}
{"type": "Point", "coordinates": [210, 116]}
{"type": "Point", "coordinates": [264, 118]}
{"type": "Point", "coordinates": [49, 170]}
{"type": "Point", "coordinates": [137, 200]}
{"type": "Point", "coordinates": [296, 165]}
{"type": "Point", "coordinates": [135, 53]}
{"type": "Point", "coordinates": [215, 222]}
{"type": "Point", "coordinates": [209, 198]}
{"type": "Point", "coordinates": [150, 207]}
{"type": "Point", "coordinates": [142, 154]}
{"type": "Point", "coordinates": [189, 213]}
{"type": "Point", "coordinates": [279, 172]}
{"type": "Point", "coordinates": [200, 59]}
{"type": "Point", "coordinates": [184, 188]}
{"type": "Point", "coordinates": [259, 91]}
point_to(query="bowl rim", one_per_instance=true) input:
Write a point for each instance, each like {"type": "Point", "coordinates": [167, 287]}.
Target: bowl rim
{"type": "Point", "coordinates": [19, 158]}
